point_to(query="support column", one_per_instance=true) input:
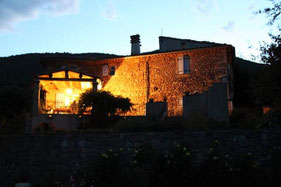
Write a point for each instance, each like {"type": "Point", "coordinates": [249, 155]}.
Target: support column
{"type": "Point", "coordinates": [35, 97]}
{"type": "Point", "coordinates": [34, 115]}
{"type": "Point", "coordinates": [95, 85]}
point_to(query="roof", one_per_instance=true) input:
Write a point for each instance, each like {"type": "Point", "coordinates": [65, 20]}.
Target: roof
{"type": "Point", "coordinates": [67, 74]}
{"type": "Point", "coordinates": [189, 40]}
{"type": "Point", "coordinates": [190, 45]}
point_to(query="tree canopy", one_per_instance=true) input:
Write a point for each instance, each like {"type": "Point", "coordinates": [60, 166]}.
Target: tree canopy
{"type": "Point", "coordinates": [273, 12]}
{"type": "Point", "coordinates": [269, 83]}
{"type": "Point", "coordinates": [103, 104]}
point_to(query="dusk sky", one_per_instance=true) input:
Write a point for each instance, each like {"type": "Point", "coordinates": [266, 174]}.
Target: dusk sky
{"type": "Point", "coordinates": [82, 26]}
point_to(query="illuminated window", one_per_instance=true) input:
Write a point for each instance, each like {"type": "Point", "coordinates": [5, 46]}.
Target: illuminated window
{"type": "Point", "coordinates": [60, 100]}
{"type": "Point", "coordinates": [112, 70]}
{"type": "Point", "coordinates": [180, 102]}
{"type": "Point", "coordinates": [105, 70]}
{"type": "Point", "coordinates": [184, 65]}
{"type": "Point", "coordinates": [59, 93]}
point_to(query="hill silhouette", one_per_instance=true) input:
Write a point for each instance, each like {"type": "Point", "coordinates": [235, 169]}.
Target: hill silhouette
{"type": "Point", "coordinates": [245, 75]}
{"type": "Point", "coordinates": [21, 69]}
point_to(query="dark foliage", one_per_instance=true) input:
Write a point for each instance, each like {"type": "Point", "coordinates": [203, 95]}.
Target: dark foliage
{"type": "Point", "coordinates": [103, 105]}
{"type": "Point", "coordinates": [144, 165]}
{"type": "Point", "coordinates": [273, 12]}
{"type": "Point", "coordinates": [15, 103]}
{"type": "Point", "coordinates": [245, 75]}
{"type": "Point", "coordinates": [268, 86]}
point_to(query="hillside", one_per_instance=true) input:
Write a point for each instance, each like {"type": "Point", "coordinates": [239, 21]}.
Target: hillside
{"type": "Point", "coordinates": [20, 69]}
{"type": "Point", "coordinates": [248, 66]}
{"type": "Point", "coordinates": [245, 75]}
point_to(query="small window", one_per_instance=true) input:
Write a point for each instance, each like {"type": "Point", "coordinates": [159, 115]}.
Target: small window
{"type": "Point", "coordinates": [112, 70]}
{"type": "Point", "coordinates": [184, 65]}
{"type": "Point", "coordinates": [180, 102]}
{"type": "Point", "coordinates": [105, 70]}
{"type": "Point", "coordinates": [180, 65]}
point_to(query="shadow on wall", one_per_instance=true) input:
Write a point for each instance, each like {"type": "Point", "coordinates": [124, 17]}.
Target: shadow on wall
{"type": "Point", "coordinates": [211, 104]}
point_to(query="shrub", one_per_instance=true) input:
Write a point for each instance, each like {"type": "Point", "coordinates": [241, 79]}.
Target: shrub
{"type": "Point", "coordinates": [15, 103]}
{"type": "Point", "coordinates": [245, 118]}
{"type": "Point", "coordinates": [107, 170]}
{"type": "Point", "coordinates": [216, 169]}
{"type": "Point", "coordinates": [103, 104]}
{"type": "Point", "coordinates": [175, 168]}
{"type": "Point", "coordinates": [11, 126]}
{"type": "Point", "coordinates": [271, 119]}
{"type": "Point", "coordinates": [143, 165]}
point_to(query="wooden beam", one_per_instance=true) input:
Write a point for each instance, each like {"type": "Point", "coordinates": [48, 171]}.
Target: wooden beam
{"type": "Point", "coordinates": [64, 79]}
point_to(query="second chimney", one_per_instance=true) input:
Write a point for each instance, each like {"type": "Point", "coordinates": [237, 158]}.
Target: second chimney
{"type": "Point", "coordinates": [135, 41]}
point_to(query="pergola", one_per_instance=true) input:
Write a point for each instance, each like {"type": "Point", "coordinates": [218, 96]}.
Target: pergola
{"type": "Point", "coordinates": [58, 92]}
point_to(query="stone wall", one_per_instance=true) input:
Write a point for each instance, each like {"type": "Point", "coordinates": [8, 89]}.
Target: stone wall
{"type": "Point", "coordinates": [154, 76]}
{"type": "Point", "coordinates": [45, 155]}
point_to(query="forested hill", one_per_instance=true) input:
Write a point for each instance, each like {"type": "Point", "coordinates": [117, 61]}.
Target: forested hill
{"type": "Point", "coordinates": [20, 69]}
{"type": "Point", "coordinates": [248, 66]}
{"type": "Point", "coordinates": [246, 74]}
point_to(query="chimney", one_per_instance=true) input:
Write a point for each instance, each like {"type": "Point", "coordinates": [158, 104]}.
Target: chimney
{"type": "Point", "coordinates": [135, 41]}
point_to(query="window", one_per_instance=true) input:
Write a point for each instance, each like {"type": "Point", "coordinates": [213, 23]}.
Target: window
{"type": "Point", "coordinates": [105, 70]}
{"type": "Point", "coordinates": [180, 102]}
{"type": "Point", "coordinates": [184, 65]}
{"type": "Point", "coordinates": [112, 70]}
{"type": "Point", "coordinates": [60, 100]}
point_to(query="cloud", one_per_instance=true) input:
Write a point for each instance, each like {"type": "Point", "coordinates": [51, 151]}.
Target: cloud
{"type": "Point", "coordinates": [205, 6]}
{"type": "Point", "coordinates": [110, 12]}
{"type": "Point", "coordinates": [251, 7]}
{"type": "Point", "coordinates": [14, 11]}
{"type": "Point", "coordinates": [229, 27]}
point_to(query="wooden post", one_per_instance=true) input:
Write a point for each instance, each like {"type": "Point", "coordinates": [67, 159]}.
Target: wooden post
{"type": "Point", "coordinates": [95, 85]}
{"type": "Point", "coordinates": [35, 98]}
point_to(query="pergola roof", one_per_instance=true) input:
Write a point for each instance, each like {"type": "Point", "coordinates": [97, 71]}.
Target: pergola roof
{"type": "Point", "coordinates": [66, 75]}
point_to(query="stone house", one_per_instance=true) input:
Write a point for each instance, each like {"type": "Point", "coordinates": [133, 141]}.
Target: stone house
{"type": "Point", "coordinates": [177, 68]}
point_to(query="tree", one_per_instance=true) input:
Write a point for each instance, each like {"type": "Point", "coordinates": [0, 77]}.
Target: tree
{"type": "Point", "coordinates": [269, 83]}
{"type": "Point", "coordinates": [103, 105]}
{"type": "Point", "coordinates": [273, 12]}
{"type": "Point", "coordinates": [15, 103]}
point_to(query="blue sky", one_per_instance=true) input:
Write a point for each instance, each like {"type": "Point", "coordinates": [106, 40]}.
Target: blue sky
{"type": "Point", "coordinates": [81, 26]}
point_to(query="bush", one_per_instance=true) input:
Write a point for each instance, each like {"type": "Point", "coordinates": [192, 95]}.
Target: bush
{"type": "Point", "coordinates": [143, 165]}
{"type": "Point", "coordinates": [109, 169]}
{"type": "Point", "coordinates": [176, 168]}
{"type": "Point", "coordinates": [15, 103]}
{"type": "Point", "coordinates": [271, 119]}
{"type": "Point", "coordinates": [13, 126]}
{"type": "Point", "coordinates": [103, 104]}
{"type": "Point", "coordinates": [244, 118]}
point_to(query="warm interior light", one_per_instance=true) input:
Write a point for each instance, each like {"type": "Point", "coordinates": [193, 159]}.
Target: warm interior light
{"type": "Point", "coordinates": [99, 84]}
{"type": "Point", "coordinates": [62, 97]}
{"type": "Point", "coordinates": [68, 91]}
{"type": "Point", "coordinates": [86, 85]}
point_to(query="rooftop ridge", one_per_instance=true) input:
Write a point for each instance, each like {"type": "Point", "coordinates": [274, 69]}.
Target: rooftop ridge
{"type": "Point", "coordinates": [207, 42]}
